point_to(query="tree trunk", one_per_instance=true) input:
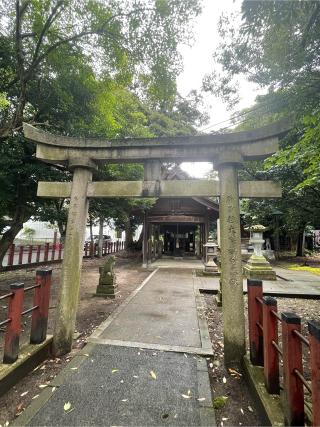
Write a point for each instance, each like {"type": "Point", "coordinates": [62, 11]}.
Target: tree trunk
{"type": "Point", "coordinates": [9, 235]}
{"type": "Point", "coordinates": [100, 242]}
{"type": "Point", "coordinates": [91, 237]}
{"type": "Point", "coordinates": [300, 244]}
{"type": "Point", "coordinates": [129, 234]}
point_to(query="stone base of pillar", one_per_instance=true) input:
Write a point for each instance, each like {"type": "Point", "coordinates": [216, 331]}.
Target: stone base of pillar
{"type": "Point", "coordinates": [259, 268]}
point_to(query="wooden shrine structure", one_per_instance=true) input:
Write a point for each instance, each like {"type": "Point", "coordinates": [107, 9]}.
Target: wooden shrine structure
{"type": "Point", "coordinates": [227, 151]}
{"type": "Point", "coordinates": [177, 227]}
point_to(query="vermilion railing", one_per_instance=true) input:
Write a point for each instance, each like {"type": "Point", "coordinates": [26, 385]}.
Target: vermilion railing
{"type": "Point", "coordinates": [30, 254]}
{"type": "Point", "coordinates": [91, 249]}
{"type": "Point", "coordinates": [265, 350]}
{"type": "Point", "coordinates": [39, 310]}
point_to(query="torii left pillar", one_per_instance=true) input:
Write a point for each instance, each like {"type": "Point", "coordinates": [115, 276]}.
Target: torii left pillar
{"type": "Point", "coordinates": [72, 257]}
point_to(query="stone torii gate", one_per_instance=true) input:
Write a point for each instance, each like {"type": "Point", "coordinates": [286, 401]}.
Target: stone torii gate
{"type": "Point", "coordinates": [226, 151]}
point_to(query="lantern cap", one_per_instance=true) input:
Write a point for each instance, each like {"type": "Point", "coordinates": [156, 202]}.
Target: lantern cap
{"type": "Point", "coordinates": [257, 228]}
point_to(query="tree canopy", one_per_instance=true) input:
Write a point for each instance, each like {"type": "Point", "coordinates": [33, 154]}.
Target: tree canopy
{"type": "Point", "coordinates": [276, 45]}
{"type": "Point", "coordinates": [102, 68]}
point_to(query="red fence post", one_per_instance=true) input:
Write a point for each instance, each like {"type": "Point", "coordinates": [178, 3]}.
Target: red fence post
{"type": "Point", "coordinates": [11, 254]}
{"type": "Point", "coordinates": [13, 331]}
{"type": "Point", "coordinates": [39, 321]}
{"type": "Point", "coordinates": [21, 249]}
{"type": "Point", "coordinates": [38, 253]}
{"type": "Point", "coordinates": [270, 354]}
{"type": "Point", "coordinates": [30, 254]}
{"type": "Point", "coordinates": [53, 252]}
{"type": "Point", "coordinates": [292, 359]}
{"type": "Point", "coordinates": [46, 251]}
{"type": "Point", "coordinates": [91, 249]}
{"type": "Point", "coordinates": [60, 251]}
{"type": "Point", "coordinates": [314, 340]}
{"type": "Point", "coordinates": [254, 316]}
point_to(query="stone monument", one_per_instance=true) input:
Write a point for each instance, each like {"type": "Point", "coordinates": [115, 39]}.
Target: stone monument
{"type": "Point", "coordinates": [107, 286]}
{"type": "Point", "coordinates": [257, 266]}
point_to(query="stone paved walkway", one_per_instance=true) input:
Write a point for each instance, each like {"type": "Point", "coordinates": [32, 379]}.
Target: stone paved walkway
{"type": "Point", "coordinates": [289, 283]}
{"type": "Point", "coordinates": [144, 366]}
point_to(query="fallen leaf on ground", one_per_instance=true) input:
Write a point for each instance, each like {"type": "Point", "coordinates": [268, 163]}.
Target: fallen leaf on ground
{"type": "Point", "coordinates": [234, 372]}
{"type": "Point", "coordinates": [153, 375]}
{"type": "Point", "coordinates": [67, 406]}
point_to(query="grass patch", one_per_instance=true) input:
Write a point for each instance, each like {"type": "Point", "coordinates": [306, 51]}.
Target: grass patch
{"type": "Point", "coordinates": [297, 267]}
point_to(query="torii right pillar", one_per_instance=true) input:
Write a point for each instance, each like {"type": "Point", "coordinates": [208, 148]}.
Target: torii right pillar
{"type": "Point", "coordinates": [228, 164]}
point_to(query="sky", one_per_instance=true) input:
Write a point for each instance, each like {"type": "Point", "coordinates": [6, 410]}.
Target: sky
{"type": "Point", "coordinates": [198, 61]}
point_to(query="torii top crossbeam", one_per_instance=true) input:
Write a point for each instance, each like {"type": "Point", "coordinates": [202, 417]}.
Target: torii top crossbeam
{"type": "Point", "coordinates": [253, 145]}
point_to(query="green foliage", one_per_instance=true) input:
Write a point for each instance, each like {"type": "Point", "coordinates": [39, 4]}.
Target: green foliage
{"type": "Point", "coordinates": [275, 44]}
{"type": "Point", "coordinates": [29, 232]}
{"type": "Point", "coordinates": [90, 68]}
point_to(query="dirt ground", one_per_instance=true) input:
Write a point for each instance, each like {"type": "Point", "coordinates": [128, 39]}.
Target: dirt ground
{"type": "Point", "coordinates": [92, 311]}
{"type": "Point", "coordinates": [233, 401]}
{"type": "Point", "coordinates": [230, 387]}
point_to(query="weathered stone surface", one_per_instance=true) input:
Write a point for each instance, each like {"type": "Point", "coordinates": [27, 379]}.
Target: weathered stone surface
{"type": "Point", "coordinates": [253, 145]}
{"type": "Point", "coordinates": [170, 188]}
{"type": "Point", "coordinates": [72, 262]}
{"type": "Point", "coordinates": [231, 271]}
{"type": "Point", "coordinates": [258, 267]}
{"type": "Point", "coordinates": [107, 282]}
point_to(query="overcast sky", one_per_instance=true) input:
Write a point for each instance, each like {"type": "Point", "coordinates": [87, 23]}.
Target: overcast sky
{"type": "Point", "coordinates": [198, 62]}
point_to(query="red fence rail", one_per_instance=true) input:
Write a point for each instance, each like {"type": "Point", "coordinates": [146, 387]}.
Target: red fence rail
{"type": "Point", "coordinates": [263, 319]}
{"type": "Point", "coordinates": [39, 310]}
{"type": "Point", "coordinates": [36, 254]}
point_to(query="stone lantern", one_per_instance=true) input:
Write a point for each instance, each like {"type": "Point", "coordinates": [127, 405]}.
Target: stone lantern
{"type": "Point", "coordinates": [210, 267]}
{"type": "Point", "coordinates": [257, 266]}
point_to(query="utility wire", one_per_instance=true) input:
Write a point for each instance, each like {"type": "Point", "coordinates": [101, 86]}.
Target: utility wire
{"type": "Point", "coordinates": [258, 107]}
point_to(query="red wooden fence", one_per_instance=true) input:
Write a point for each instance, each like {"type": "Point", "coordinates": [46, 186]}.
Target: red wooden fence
{"type": "Point", "coordinates": [39, 310]}
{"type": "Point", "coordinates": [266, 351]}
{"type": "Point", "coordinates": [45, 253]}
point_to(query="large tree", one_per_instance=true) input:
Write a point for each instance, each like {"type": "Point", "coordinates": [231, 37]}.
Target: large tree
{"type": "Point", "coordinates": [66, 64]}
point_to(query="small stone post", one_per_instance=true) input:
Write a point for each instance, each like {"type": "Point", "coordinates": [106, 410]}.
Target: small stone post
{"type": "Point", "coordinates": [72, 258]}
{"type": "Point", "coordinates": [231, 271]}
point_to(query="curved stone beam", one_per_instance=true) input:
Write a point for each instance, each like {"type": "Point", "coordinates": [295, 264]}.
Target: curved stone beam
{"type": "Point", "coordinates": [276, 129]}
{"type": "Point", "coordinates": [253, 145]}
